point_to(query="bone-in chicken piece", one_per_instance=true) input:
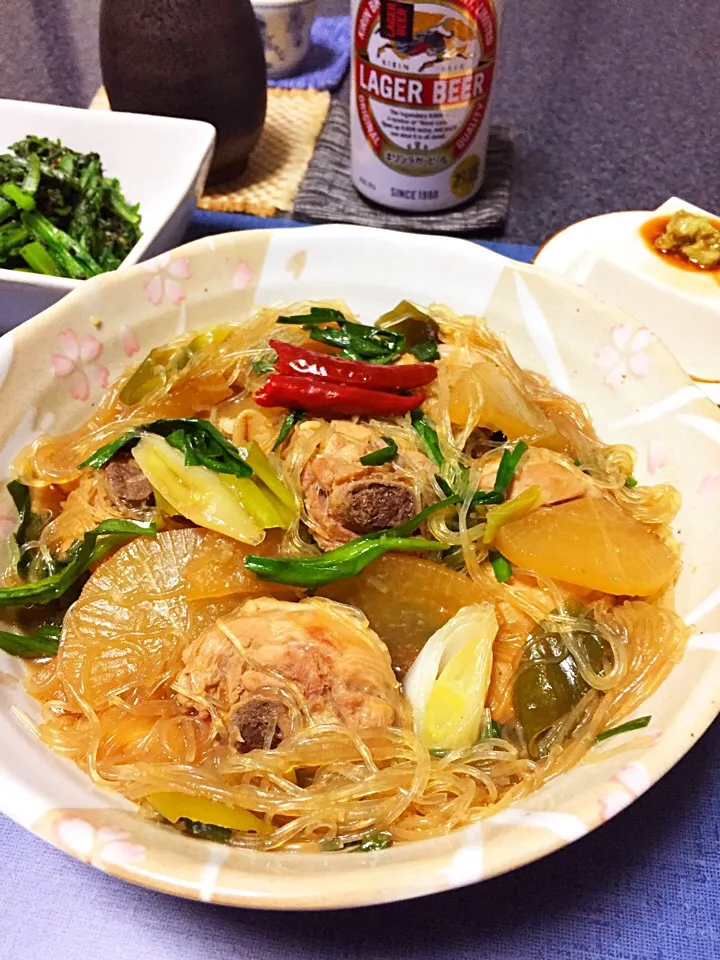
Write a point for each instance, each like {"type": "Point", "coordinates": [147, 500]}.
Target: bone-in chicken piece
{"type": "Point", "coordinates": [343, 498]}
{"type": "Point", "coordinates": [246, 668]}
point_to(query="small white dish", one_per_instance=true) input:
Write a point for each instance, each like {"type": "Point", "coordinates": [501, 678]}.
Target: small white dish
{"type": "Point", "coordinates": [607, 255]}
{"type": "Point", "coordinates": [571, 251]}
{"type": "Point", "coordinates": [285, 30]}
{"type": "Point", "coordinates": [161, 163]}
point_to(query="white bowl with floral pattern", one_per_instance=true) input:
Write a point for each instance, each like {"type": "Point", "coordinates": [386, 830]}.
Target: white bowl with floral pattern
{"type": "Point", "coordinates": [160, 162]}
{"type": "Point", "coordinates": [53, 370]}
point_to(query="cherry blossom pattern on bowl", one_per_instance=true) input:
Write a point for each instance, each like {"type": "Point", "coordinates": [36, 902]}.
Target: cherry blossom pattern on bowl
{"type": "Point", "coordinates": [76, 360]}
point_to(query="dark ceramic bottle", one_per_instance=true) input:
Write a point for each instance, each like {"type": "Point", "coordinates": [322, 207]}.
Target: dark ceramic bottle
{"type": "Point", "coordinates": [201, 59]}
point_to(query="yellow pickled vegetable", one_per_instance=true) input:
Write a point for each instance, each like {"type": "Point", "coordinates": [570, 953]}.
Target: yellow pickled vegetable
{"type": "Point", "coordinates": [194, 492]}
{"type": "Point", "coordinates": [513, 509]}
{"type": "Point", "coordinates": [178, 806]}
{"type": "Point", "coordinates": [593, 543]}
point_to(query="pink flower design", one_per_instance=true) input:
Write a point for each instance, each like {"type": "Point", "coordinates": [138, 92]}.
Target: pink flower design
{"type": "Point", "coordinates": [709, 485]}
{"type": "Point", "coordinates": [77, 361]}
{"type": "Point", "coordinates": [657, 456]}
{"type": "Point", "coordinates": [626, 354]}
{"type": "Point", "coordinates": [129, 341]}
{"type": "Point", "coordinates": [242, 276]}
{"type": "Point", "coordinates": [613, 802]}
{"type": "Point", "coordinates": [106, 844]}
{"type": "Point", "coordinates": [166, 281]}
{"type": "Point", "coordinates": [630, 782]}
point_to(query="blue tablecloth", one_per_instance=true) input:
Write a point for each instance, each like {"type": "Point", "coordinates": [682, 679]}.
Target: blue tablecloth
{"type": "Point", "coordinates": [644, 887]}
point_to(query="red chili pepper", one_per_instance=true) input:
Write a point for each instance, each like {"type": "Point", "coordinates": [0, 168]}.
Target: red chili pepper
{"type": "Point", "coordinates": [334, 399]}
{"type": "Point", "coordinates": [298, 360]}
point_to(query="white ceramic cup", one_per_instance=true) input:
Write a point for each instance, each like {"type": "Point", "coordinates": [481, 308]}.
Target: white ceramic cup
{"type": "Point", "coordinates": [285, 30]}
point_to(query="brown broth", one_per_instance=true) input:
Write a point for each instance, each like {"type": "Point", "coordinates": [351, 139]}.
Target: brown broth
{"type": "Point", "coordinates": [652, 229]}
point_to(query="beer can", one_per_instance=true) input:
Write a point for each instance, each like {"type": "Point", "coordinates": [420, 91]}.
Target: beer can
{"type": "Point", "coordinates": [422, 77]}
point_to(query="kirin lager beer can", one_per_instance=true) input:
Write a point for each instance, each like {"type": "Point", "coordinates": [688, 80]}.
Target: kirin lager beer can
{"type": "Point", "coordinates": [422, 78]}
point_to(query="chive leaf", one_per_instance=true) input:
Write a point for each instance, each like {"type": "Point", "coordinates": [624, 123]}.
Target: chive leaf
{"type": "Point", "coordinates": [294, 417]}
{"type": "Point", "coordinates": [638, 724]}
{"type": "Point", "coordinates": [44, 642]}
{"type": "Point", "coordinates": [79, 558]}
{"type": "Point", "coordinates": [502, 568]}
{"type": "Point", "coordinates": [201, 442]}
{"type": "Point", "coordinates": [384, 455]}
{"type": "Point", "coordinates": [376, 841]}
{"type": "Point", "coordinates": [428, 434]}
{"type": "Point", "coordinates": [316, 315]}
{"type": "Point", "coordinates": [508, 465]}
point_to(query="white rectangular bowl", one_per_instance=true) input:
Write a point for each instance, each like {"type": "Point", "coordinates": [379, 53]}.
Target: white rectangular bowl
{"type": "Point", "coordinates": [161, 163]}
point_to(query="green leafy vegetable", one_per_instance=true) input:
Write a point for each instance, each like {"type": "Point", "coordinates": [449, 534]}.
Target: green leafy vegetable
{"type": "Point", "coordinates": [205, 831]}
{"type": "Point", "coordinates": [316, 315]}
{"type": "Point", "coordinates": [426, 351]}
{"type": "Point", "coordinates": [508, 465]}
{"type": "Point", "coordinates": [405, 529]}
{"type": "Point", "coordinates": [444, 485]}
{"type": "Point", "coordinates": [359, 342]}
{"type": "Point", "coordinates": [265, 363]}
{"type": "Point", "coordinates": [376, 841]}
{"type": "Point", "coordinates": [356, 340]}
{"type": "Point", "coordinates": [631, 482]}
{"type": "Point", "coordinates": [202, 444]}
{"type": "Point", "coordinates": [350, 559]}
{"type": "Point", "coordinates": [384, 455]}
{"type": "Point", "coordinates": [639, 724]}
{"type": "Point", "coordinates": [486, 498]}
{"type": "Point", "coordinates": [428, 434]}
{"type": "Point", "coordinates": [502, 568]}
{"type": "Point", "coordinates": [494, 731]}
{"type": "Point", "coordinates": [79, 558]}
{"type": "Point", "coordinates": [340, 564]}
{"type": "Point", "coordinates": [294, 417]}
{"type": "Point", "coordinates": [59, 200]}
{"type": "Point", "coordinates": [21, 199]}
{"type": "Point", "coordinates": [31, 182]}
{"type": "Point", "coordinates": [44, 642]}
{"type": "Point", "coordinates": [68, 252]}
{"type": "Point", "coordinates": [39, 260]}
{"type": "Point", "coordinates": [30, 566]}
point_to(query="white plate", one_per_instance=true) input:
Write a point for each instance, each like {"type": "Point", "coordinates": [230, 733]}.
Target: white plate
{"type": "Point", "coordinates": [573, 252]}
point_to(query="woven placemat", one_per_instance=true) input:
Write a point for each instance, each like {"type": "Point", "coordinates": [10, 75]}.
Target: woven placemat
{"type": "Point", "coordinates": [279, 161]}
{"type": "Point", "coordinates": [327, 194]}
